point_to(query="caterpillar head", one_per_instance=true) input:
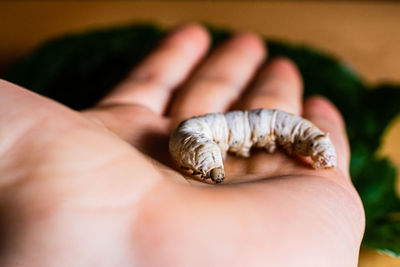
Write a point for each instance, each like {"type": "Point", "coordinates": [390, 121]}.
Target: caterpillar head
{"type": "Point", "coordinates": [322, 152]}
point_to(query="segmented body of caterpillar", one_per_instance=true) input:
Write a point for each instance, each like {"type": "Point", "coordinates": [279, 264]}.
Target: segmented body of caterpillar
{"type": "Point", "coordinates": [201, 143]}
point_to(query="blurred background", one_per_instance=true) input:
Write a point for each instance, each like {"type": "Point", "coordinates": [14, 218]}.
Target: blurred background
{"type": "Point", "coordinates": [366, 35]}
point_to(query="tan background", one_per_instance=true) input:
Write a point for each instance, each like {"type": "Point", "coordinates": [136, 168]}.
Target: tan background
{"type": "Point", "coordinates": [364, 34]}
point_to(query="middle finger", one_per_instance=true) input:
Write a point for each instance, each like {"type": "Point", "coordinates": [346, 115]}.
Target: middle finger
{"type": "Point", "coordinates": [222, 77]}
{"type": "Point", "coordinates": [278, 86]}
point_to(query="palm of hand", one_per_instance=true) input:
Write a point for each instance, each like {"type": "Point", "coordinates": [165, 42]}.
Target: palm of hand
{"type": "Point", "coordinates": [91, 194]}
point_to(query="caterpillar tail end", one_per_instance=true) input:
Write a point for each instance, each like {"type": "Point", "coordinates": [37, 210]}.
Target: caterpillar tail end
{"type": "Point", "coordinates": [217, 175]}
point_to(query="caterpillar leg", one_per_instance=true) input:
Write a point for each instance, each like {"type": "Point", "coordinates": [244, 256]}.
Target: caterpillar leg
{"type": "Point", "coordinates": [196, 173]}
{"type": "Point", "coordinates": [217, 175]}
{"type": "Point", "coordinates": [288, 148]}
{"type": "Point", "coordinates": [270, 148]}
{"type": "Point", "coordinates": [245, 153]}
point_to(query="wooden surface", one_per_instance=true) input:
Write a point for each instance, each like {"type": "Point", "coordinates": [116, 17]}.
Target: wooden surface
{"type": "Point", "coordinates": [366, 35]}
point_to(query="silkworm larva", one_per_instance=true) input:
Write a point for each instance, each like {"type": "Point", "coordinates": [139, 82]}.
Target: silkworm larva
{"type": "Point", "coordinates": [201, 143]}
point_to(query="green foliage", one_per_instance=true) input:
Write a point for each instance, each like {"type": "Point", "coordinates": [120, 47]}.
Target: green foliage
{"type": "Point", "coordinates": [78, 70]}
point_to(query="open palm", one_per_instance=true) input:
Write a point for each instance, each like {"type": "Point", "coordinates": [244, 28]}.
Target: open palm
{"type": "Point", "coordinates": [98, 187]}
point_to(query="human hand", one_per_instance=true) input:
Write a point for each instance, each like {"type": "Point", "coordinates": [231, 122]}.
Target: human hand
{"type": "Point", "coordinates": [98, 187]}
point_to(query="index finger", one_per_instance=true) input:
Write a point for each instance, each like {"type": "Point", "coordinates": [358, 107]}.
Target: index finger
{"type": "Point", "coordinates": [151, 83]}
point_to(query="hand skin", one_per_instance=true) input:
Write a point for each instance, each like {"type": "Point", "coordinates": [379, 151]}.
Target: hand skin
{"type": "Point", "coordinates": [98, 187]}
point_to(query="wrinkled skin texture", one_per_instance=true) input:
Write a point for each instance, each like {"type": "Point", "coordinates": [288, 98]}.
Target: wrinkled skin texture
{"type": "Point", "coordinates": [98, 187]}
{"type": "Point", "coordinates": [200, 143]}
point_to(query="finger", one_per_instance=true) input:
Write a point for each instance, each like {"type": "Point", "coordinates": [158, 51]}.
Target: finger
{"type": "Point", "coordinates": [151, 83]}
{"type": "Point", "coordinates": [221, 78]}
{"type": "Point", "coordinates": [278, 86]}
{"type": "Point", "coordinates": [325, 116]}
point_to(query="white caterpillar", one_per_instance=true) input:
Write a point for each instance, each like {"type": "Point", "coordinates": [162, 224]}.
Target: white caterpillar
{"type": "Point", "coordinates": [201, 143]}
